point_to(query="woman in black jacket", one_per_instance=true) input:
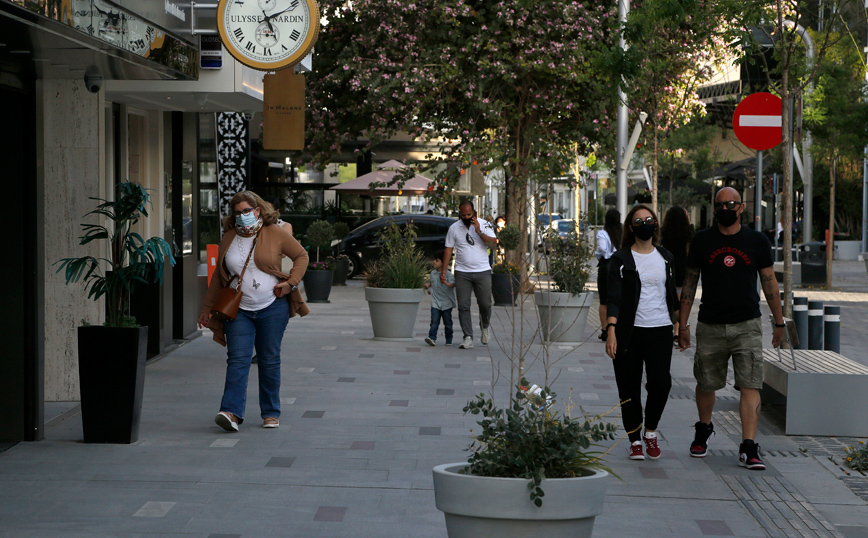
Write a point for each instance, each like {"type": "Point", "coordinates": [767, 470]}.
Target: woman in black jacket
{"type": "Point", "coordinates": [642, 306]}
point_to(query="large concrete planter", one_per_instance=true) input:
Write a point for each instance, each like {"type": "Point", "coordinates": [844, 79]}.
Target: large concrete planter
{"type": "Point", "coordinates": [865, 259]}
{"type": "Point", "coordinates": [318, 286]}
{"type": "Point", "coordinates": [393, 312]}
{"type": "Point", "coordinates": [562, 315]}
{"type": "Point", "coordinates": [481, 506]}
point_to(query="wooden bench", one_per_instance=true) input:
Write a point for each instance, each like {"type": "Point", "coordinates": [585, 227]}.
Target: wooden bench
{"type": "Point", "coordinates": [825, 392]}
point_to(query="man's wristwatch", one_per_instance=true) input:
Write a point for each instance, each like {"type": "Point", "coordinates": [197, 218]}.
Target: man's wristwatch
{"type": "Point", "coordinates": [780, 325]}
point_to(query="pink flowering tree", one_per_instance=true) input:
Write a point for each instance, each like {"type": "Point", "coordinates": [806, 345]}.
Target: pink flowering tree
{"type": "Point", "coordinates": [498, 83]}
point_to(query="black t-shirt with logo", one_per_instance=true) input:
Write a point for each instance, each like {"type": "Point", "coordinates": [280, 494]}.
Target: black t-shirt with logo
{"type": "Point", "coordinates": [729, 265]}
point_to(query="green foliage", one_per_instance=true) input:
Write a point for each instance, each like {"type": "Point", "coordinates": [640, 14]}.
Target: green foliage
{"type": "Point", "coordinates": [320, 235]}
{"type": "Point", "coordinates": [133, 259]}
{"type": "Point", "coordinates": [505, 268]}
{"type": "Point", "coordinates": [530, 440]}
{"type": "Point", "coordinates": [509, 238]}
{"type": "Point", "coordinates": [402, 264]}
{"type": "Point", "coordinates": [341, 230]}
{"type": "Point", "coordinates": [569, 262]}
{"type": "Point", "coordinates": [857, 457]}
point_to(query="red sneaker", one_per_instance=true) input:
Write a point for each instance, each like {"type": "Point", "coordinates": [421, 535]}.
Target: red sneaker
{"type": "Point", "coordinates": [636, 451]}
{"type": "Point", "coordinates": [651, 447]}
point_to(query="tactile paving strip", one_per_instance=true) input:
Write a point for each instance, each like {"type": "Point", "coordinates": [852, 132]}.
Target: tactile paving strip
{"type": "Point", "coordinates": [779, 508]}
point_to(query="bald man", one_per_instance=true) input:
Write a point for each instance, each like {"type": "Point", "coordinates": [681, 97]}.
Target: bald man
{"type": "Point", "coordinates": [729, 257]}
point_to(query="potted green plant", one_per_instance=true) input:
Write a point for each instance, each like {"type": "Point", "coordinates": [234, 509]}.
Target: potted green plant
{"type": "Point", "coordinates": [112, 357]}
{"type": "Point", "coordinates": [530, 472]}
{"type": "Point", "coordinates": [564, 311]}
{"type": "Point", "coordinates": [395, 283]}
{"type": "Point", "coordinates": [342, 261]}
{"type": "Point", "coordinates": [505, 276]}
{"type": "Point", "coordinates": [319, 276]}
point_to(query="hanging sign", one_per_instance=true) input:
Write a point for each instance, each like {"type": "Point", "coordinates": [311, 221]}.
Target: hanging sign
{"type": "Point", "coordinates": [283, 111]}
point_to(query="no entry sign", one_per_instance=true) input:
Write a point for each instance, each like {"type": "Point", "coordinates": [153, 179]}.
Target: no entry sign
{"type": "Point", "coordinates": [757, 121]}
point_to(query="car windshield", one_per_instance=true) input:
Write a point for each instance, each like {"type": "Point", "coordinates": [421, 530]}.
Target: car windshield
{"type": "Point", "coordinates": [566, 226]}
{"type": "Point", "coordinates": [544, 218]}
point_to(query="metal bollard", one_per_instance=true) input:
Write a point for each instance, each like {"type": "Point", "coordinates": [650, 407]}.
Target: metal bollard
{"type": "Point", "coordinates": [800, 317]}
{"type": "Point", "coordinates": [832, 328]}
{"type": "Point", "coordinates": [815, 324]}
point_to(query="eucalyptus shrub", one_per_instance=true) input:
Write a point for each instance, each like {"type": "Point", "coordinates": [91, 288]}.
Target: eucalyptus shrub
{"type": "Point", "coordinates": [402, 264]}
{"type": "Point", "coordinates": [569, 264]}
{"type": "Point", "coordinates": [531, 440]}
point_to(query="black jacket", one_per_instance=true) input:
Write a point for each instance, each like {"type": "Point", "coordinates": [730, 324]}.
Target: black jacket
{"type": "Point", "coordinates": [625, 288]}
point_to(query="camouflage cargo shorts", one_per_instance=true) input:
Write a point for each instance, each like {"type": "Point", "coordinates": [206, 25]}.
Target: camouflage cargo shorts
{"type": "Point", "coordinates": [716, 343]}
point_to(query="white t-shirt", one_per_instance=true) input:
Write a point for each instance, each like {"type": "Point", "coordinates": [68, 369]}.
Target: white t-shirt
{"type": "Point", "coordinates": [257, 286]}
{"type": "Point", "coordinates": [470, 255]}
{"type": "Point", "coordinates": [605, 248]}
{"type": "Point", "coordinates": [652, 310]}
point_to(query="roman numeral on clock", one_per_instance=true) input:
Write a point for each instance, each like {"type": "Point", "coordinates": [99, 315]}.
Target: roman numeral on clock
{"type": "Point", "coordinates": [251, 47]}
{"type": "Point", "coordinates": [293, 4]}
{"type": "Point", "coordinates": [266, 52]}
{"type": "Point", "coordinates": [239, 34]}
{"type": "Point", "coordinates": [295, 35]}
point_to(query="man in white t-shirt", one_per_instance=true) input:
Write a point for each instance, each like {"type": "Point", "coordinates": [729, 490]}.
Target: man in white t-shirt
{"type": "Point", "coordinates": [469, 239]}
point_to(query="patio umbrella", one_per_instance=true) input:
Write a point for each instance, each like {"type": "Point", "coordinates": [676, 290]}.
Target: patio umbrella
{"type": "Point", "coordinates": [385, 173]}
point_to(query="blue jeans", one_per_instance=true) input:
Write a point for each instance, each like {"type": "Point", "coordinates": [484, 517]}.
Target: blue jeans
{"type": "Point", "coordinates": [262, 329]}
{"type": "Point", "coordinates": [436, 316]}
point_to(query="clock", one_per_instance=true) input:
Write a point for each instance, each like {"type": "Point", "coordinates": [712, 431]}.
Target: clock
{"type": "Point", "coordinates": [268, 34]}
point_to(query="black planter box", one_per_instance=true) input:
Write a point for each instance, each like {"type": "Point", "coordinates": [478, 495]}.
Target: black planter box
{"type": "Point", "coordinates": [504, 288]}
{"type": "Point", "coordinates": [318, 286]}
{"type": "Point", "coordinates": [111, 367]}
{"type": "Point", "coordinates": [342, 271]}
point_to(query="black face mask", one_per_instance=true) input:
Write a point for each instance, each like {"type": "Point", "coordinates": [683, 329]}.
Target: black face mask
{"type": "Point", "coordinates": [644, 232]}
{"type": "Point", "coordinates": [467, 222]}
{"type": "Point", "coordinates": [726, 217]}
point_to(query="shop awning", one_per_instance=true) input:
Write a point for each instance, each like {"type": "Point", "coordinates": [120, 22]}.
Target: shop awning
{"type": "Point", "coordinates": [385, 173]}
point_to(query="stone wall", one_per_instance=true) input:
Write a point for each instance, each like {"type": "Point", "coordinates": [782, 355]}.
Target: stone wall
{"type": "Point", "coordinates": [72, 169]}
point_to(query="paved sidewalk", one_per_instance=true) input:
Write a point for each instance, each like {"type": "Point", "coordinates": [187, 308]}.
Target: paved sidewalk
{"type": "Point", "coordinates": [364, 422]}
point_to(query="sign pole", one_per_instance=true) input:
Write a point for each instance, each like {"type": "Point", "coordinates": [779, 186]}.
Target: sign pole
{"type": "Point", "coordinates": [758, 193]}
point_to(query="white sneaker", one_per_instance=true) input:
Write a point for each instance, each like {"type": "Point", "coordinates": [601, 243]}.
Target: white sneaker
{"type": "Point", "coordinates": [429, 341]}
{"type": "Point", "coordinates": [467, 343]}
{"type": "Point", "coordinates": [483, 337]}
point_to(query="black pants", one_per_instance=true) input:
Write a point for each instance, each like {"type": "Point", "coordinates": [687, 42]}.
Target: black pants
{"type": "Point", "coordinates": [651, 349]}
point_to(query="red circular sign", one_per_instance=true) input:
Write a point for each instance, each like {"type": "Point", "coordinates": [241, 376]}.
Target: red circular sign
{"type": "Point", "coordinates": [729, 261]}
{"type": "Point", "coordinates": [757, 121]}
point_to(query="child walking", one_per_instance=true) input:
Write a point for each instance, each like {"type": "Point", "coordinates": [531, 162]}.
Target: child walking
{"type": "Point", "coordinates": [442, 301]}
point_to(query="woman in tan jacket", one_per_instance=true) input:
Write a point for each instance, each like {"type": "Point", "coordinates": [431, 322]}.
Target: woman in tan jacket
{"type": "Point", "coordinates": [270, 298]}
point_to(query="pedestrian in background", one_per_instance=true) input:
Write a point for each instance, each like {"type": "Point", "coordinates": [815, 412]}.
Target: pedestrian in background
{"type": "Point", "coordinates": [469, 239]}
{"type": "Point", "coordinates": [442, 301]}
{"type": "Point", "coordinates": [675, 236]}
{"type": "Point", "coordinates": [642, 306]}
{"type": "Point", "coordinates": [729, 257]}
{"type": "Point", "coordinates": [252, 239]}
{"type": "Point", "coordinates": [608, 241]}
{"type": "Point", "coordinates": [274, 203]}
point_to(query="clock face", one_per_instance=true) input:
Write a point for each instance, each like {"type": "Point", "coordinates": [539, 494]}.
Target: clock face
{"type": "Point", "coordinates": [268, 34]}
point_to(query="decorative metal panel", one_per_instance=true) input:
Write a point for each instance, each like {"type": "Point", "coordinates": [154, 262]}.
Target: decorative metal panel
{"type": "Point", "coordinates": [233, 157]}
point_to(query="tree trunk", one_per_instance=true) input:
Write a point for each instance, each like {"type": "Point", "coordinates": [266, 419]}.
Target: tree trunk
{"type": "Point", "coordinates": [787, 194]}
{"type": "Point", "coordinates": [830, 244]}
{"type": "Point", "coordinates": [654, 175]}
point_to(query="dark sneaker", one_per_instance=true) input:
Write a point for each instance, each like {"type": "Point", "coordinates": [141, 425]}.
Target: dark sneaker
{"type": "Point", "coordinates": [636, 451]}
{"type": "Point", "coordinates": [748, 456]}
{"type": "Point", "coordinates": [699, 446]}
{"type": "Point", "coordinates": [651, 447]}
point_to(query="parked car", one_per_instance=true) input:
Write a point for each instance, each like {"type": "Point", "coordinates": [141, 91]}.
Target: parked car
{"type": "Point", "coordinates": [564, 227]}
{"type": "Point", "coordinates": [361, 245]}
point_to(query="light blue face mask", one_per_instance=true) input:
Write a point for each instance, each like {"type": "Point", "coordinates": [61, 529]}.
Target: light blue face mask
{"type": "Point", "coordinates": [245, 221]}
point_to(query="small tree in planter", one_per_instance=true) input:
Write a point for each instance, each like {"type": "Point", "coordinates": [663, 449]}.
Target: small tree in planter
{"type": "Point", "coordinates": [319, 276]}
{"type": "Point", "coordinates": [112, 357]}
{"type": "Point", "coordinates": [506, 276]}
{"type": "Point", "coordinates": [395, 283]}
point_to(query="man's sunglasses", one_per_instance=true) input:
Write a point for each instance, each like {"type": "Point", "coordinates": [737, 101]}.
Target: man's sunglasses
{"type": "Point", "coordinates": [469, 239]}
{"type": "Point", "coordinates": [731, 204]}
{"type": "Point", "coordinates": [648, 220]}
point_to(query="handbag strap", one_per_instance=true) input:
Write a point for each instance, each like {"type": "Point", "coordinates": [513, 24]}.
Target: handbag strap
{"type": "Point", "coordinates": [247, 262]}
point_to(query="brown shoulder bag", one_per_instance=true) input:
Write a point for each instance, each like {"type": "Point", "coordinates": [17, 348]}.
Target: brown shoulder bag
{"type": "Point", "coordinates": [228, 301]}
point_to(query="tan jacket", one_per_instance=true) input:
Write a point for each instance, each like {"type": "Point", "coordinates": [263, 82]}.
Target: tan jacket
{"type": "Point", "coordinates": [274, 242]}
